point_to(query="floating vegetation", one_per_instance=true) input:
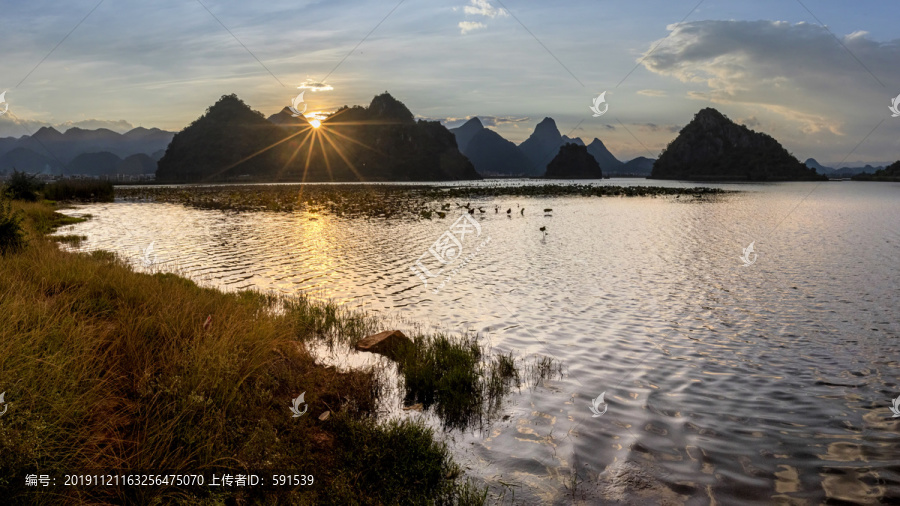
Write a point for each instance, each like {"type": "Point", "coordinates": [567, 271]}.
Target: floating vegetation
{"type": "Point", "coordinates": [384, 201]}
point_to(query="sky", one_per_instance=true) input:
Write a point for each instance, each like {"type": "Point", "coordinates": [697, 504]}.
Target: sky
{"type": "Point", "coordinates": [818, 75]}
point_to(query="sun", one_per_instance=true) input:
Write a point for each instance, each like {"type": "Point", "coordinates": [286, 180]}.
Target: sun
{"type": "Point", "coordinates": [315, 123]}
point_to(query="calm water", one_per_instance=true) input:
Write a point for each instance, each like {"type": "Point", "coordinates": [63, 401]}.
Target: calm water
{"type": "Point", "coordinates": [724, 383]}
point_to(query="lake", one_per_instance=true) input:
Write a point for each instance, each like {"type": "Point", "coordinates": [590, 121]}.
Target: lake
{"type": "Point", "coordinates": [727, 378]}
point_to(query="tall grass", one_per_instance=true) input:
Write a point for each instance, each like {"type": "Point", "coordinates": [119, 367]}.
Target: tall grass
{"type": "Point", "coordinates": [85, 190]}
{"type": "Point", "coordinates": [108, 369]}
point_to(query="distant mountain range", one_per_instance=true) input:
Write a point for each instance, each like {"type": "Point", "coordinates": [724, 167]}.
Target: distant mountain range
{"type": "Point", "coordinates": [843, 172]}
{"type": "Point", "coordinates": [80, 151]}
{"type": "Point", "coordinates": [493, 155]}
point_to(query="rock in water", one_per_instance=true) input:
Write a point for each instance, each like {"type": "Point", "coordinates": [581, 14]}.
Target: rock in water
{"type": "Point", "coordinates": [385, 343]}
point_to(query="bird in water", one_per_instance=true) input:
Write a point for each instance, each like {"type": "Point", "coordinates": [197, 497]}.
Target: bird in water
{"type": "Point", "coordinates": [544, 230]}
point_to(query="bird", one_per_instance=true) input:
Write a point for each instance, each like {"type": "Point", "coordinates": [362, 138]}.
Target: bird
{"type": "Point", "coordinates": [508, 211]}
{"type": "Point", "coordinates": [523, 211]}
{"type": "Point", "coordinates": [548, 210]}
{"type": "Point", "coordinates": [481, 210]}
{"type": "Point", "coordinates": [543, 229]}
{"type": "Point", "coordinates": [471, 211]}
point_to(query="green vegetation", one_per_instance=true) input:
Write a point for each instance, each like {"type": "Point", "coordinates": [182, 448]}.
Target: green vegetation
{"type": "Point", "coordinates": [84, 190]}
{"type": "Point", "coordinates": [22, 186]}
{"type": "Point", "coordinates": [108, 369]}
{"type": "Point", "coordinates": [12, 234]}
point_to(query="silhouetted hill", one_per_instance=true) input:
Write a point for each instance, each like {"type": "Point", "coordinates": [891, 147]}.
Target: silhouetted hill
{"type": "Point", "coordinates": [94, 164]}
{"type": "Point", "coordinates": [712, 146]}
{"type": "Point", "coordinates": [818, 167]}
{"type": "Point", "coordinates": [489, 152]}
{"type": "Point", "coordinates": [26, 160]}
{"type": "Point", "coordinates": [607, 161]}
{"type": "Point", "coordinates": [465, 132]}
{"type": "Point", "coordinates": [640, 166]}
{"type": "Point", "coordinates": [381, 142]}
{"type": "Point", "coordinates": [541, 146]}
{"type": "Point", "coordinates": [889, 173]}
{"type": "Point", "coordinates": [285, 118]}
{"type": "Point", "coordinates": [136, 165]}
{"type": "Point", "coordinates": [573, 162]}
{"type": "Point", "coordinates": [219, 145]}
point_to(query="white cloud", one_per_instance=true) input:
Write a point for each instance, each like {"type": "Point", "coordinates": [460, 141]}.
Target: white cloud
{"type": "Point", "coordinates": [787, 74]}
{"type": "Point", "coordinates": [467, 26]}
{"type": "Point", "coordinates": [314, 86]}
{"type": "Point", "coordinates": [652, 93]}
{"type": "Point", "coordinates": [484, 8]}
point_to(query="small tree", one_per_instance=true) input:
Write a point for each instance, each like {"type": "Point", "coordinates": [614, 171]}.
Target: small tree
{"type": "Point", "coordinates": [12, 235]}
{"type": "Point", "coordinates": [23, 186]}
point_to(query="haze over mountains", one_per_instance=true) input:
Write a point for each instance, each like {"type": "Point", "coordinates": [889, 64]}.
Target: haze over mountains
{"type": "Point", "coordinates": [79, 151]}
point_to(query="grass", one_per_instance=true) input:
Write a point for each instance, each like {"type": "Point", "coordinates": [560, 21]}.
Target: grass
{"type": "Point", "coordinates": [464, 383]}
{"type": "Point", "coordinates": [82, 190]}
{"type": "Point", "coordinates": [108, 369]}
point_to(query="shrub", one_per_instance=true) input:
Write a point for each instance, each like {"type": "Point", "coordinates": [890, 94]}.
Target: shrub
{"type": "Point", "coordinates": [23, 186]}
{"type": "Point", "coordinates": [12, 235]}
{"type": "Point", "coordinates": [76, 189]}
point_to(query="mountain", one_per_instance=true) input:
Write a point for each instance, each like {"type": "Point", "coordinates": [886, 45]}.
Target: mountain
{"type": "Point", "coordinates": [103, 163]}
{"type": "Point", "coordinates": [713, 147]}
{"type": "Point", "coordinates": [26, 160]}
{"type": "Point", "coordinates": [573, 162]}
{"type": "Point", "coordinates": [465, 132]}
{"type": "Point", "coordinates": [541, 146]}
{"type": "Point", "coordinates": [607, 161]}
{"type": "Point", "coordinates": [381, 142]}
{"type": "Point", "coordinates": [285, 118]}
{"type": "Point", "coordinates": [821, 169]}
{"type": "Point", "coordinates": [640, 166]}
{"type": "Point", "coordinates": [137, 164]}
{"type": "Point", "coordinates": [63, 148]}
{"type": "Point", "coordinates": [889, 173]}
{"type": "Point", "coordinates": [489, 152]}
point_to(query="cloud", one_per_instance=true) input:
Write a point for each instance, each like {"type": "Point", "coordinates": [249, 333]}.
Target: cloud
{"type": "Point", "coordinates": [652, 93]}
{"type": "Point", "coordinates": [790, 73]}
{"type": "Point", "coordinates": [488, 121]}
{"type": "Point", "coordinates": [314, 86]}
{"type": "Point", "coordinates": [468, 26]}
{"type": "Point", "coordinates": [479, 8]}
{"type": "Point", "coordinates": [653, 127]}
{"type": "Point", "coordinates": [484, 8]}
{"type": "Point", "coordinates": [120, 126]}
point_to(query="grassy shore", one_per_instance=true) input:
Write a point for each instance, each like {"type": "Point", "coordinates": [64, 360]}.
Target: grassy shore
{"type": "Point", "coordinates": [108, 369]}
